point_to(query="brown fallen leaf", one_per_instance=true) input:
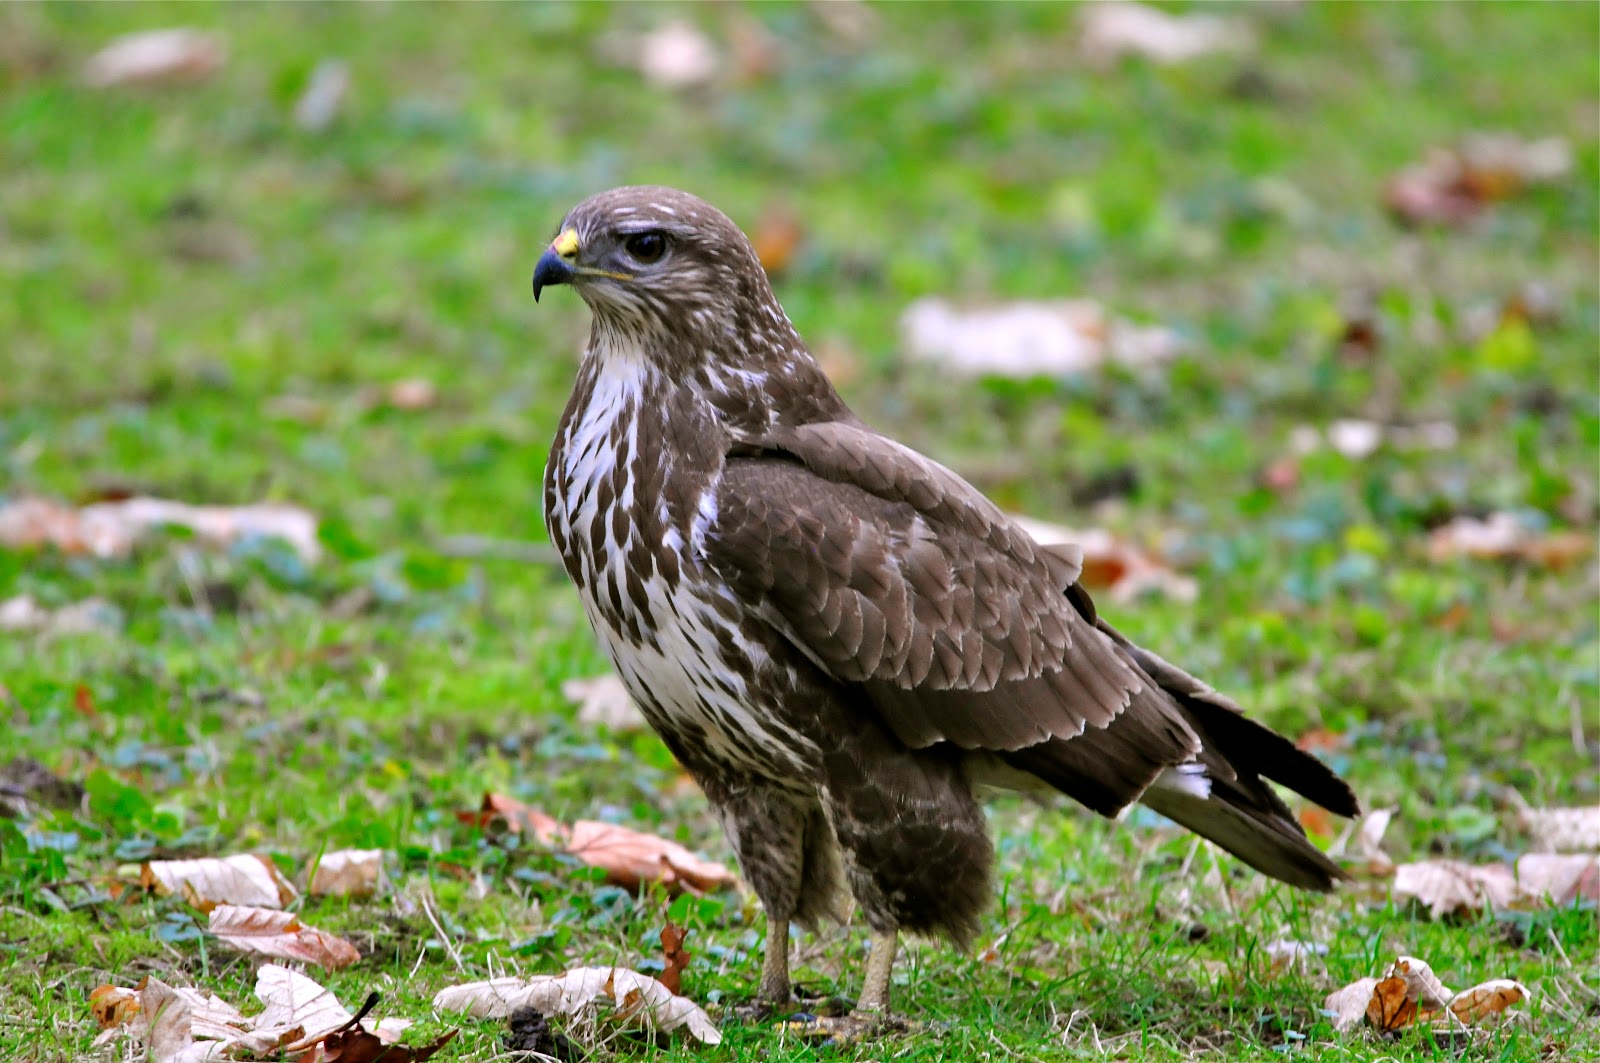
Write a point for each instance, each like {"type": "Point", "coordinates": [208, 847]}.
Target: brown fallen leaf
{"type": "Point", "coordinates": [348, 873]}
{"type": "Point", "coordinates": [323, 96]}
{"type": "Point", "coordinates": [1502, 537]}
{"type": "Point", "coordinates": [676, 55]}
{"type": "Point", "coordinates": [91, 615]}
{"type": "Point", "coordinates": [111, 529]}
{"type": "Point", "coordinates": [353, 1043]}
{"type": "Point", "coordinates": [301, 1022]}
{"type": "Point", "coordinates": [1449, 887]}
{"type": "Point", "coordinates": [1410, 992]}
{"type": "Point", "coordinates": [1558, 879]}
{"type": "Point", "coordinates": [776, 237]}
{"type": "Point", "coordinates": [1390, 1009]}
{"type": "Point", "coordinates": [242, 879]}
{"type": "Point", "coordinates": [1119, 568]}
{"type": "Point", "coordinates": [1562, 830]}
{"type": "Point", "coordinates": [1030, 339]}
{"type": "Point", "coordinates": [412, 393]}
{"type": "Point", "coordinates": [156, 57]}
{"type": "Point", "coordinates": [1455, 186]}
{"type": "Point", "coordinates": [639, 1000]}
{"type": "Point", "coordinates": [628, 857]}
{"type": "Point", "coordinates": [675, 957]}
{"type": "Point", "coordinates": [1115, 28]}
{"type": "Point", "coordinates": [1487, 1003]}
{"type": "Point", "coordinates": [280, 935]}
{"type": "Point", "coordinates": [604, 702]}
{"type": "Point", "coordinates": [113, 1005]}
{"type": "Point", "coordinates": [1422, 985]}
{"type": "Point", "coordinates": [1349, 1005]}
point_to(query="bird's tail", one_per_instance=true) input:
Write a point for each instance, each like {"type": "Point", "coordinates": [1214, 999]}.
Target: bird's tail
{"type": "Point", "coordinates": [1223, 796]}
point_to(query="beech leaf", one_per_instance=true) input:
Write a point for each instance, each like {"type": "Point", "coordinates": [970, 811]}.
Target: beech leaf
{"type": "Point", "coordinates": [245, 879]}
{"type": "Point", "coordinates": [637, 1000]}
{"type": "Point", "coordinates": [281, 935]}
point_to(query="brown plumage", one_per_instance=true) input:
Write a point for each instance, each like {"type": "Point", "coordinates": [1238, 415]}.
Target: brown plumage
{"type": "Point", "coordinates": [838, 637]}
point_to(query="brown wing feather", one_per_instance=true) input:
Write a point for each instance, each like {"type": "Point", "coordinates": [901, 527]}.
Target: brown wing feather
{"type": "Point", "coordinates": [893, 574]}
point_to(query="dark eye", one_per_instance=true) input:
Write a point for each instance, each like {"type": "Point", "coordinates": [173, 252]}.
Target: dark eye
{"type": "Point", "coordinates": [646, 247]}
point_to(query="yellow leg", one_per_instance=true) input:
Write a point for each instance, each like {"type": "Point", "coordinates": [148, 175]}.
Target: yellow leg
{"type": "Point", "coordinates": [880, 965]}
{"type": "Point", "coordinates": [775, 963]}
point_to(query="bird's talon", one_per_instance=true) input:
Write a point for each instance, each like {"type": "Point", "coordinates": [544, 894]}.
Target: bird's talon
{"type": "Point", "coordinates": [858, 1027]}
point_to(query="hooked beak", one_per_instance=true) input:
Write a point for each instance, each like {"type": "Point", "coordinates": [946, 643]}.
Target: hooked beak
{"type": "Point", "coordinates": [558, 265]}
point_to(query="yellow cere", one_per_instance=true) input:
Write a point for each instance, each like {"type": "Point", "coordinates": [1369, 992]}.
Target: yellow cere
{"type": "Point", "coordinates": [566, 245]}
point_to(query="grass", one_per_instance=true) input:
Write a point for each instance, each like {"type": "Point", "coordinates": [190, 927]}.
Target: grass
{"type": "Point", "coordinates": [199, 300]}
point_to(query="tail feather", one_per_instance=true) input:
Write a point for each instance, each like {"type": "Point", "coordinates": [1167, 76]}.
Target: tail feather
{"type": "Point", "coordinates": [1239, 811]}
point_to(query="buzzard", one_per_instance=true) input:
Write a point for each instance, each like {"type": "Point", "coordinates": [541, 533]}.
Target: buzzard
{"type": "Point", "coordinates": [841, 640]}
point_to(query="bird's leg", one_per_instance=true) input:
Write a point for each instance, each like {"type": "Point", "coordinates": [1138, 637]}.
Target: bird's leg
{"type": "Point", "coordinates": [871, 1015]}
{"type": "Point", "coordinates": [874, 999]}
{"type": "Point", "coordinates": [775, 963]}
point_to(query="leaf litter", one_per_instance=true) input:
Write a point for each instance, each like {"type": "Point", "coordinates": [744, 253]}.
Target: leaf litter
{"type": "Point", "coordinates": [628, 857]}
{"type": "Point", "coordinates": [242, 879]}
{"type": "Point", "coordinates": [280, 935]}
{"type": "Point", "coordinates": [589, 996]}
{"type": "Point", "coordinates": [300, 1021]}
{"type": "Point", "coordinates": [1031, 339]}
{"type": "Point", "coordinates": [1410, 994]}
{"type": "Point", "coordinates": [112, 529]}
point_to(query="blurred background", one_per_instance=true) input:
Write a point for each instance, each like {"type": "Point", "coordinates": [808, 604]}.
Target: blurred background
{"type": "Point", "coordinates": [1290, 309]}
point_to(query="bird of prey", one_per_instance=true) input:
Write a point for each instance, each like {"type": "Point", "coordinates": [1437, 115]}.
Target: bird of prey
{"type": "Point", "coordinates": [840, 639]}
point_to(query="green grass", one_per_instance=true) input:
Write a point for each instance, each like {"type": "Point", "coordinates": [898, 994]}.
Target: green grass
{"type": "Point", "coordinates": [175, 263]}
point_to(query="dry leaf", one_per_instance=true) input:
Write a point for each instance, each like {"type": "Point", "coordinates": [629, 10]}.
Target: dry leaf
{"type": "Point", "coordinates": [110, 529]}
{"type": "Point", "coordinates": [1119, 568]}
{"type": "Point", "coordinates": [1502, 536]}
{"type": "Point", "coordinates": [1410, 992]}
{"type": "Point", "coordinates": [1487, 1003]}
{"type": "Point", "coordinates": [628, 857]}
{"type": "Point", "coordinates": [1358, 440]}
{"type": "Point", "coordinates": [281, 935]}
{"type": "Point", "coordinates": [1451, 187]}
{"type": "Point", "coordinates": [156, 57]}
{"type": "Point", "coordinates": [348, 873]}
{"type": "Point", "coordinates": [1349, 1005]}
{"type": "Point", "coordinates": [1390, 1009]}
{"type": "Point", "coordinates": [604, 702]}
{"type": "Point", "coordinates": [294, 1001]}
{"type": "Point", "coordinates": [1115, 28]}
{"type": "Point", "coordinates": [776, 237]}
{"type": "Point", "coordinates": [113, 1005]}
{"type": "Point", "coordinates": [1369, 840]}
{"type": "Point", "coordinates": [412, 393]}
{"type": "Point", "coordinates": [1562, 830]}
{"type": "Point", "coordinates": [244, 879]}
{"type": "Point", "coordinates": [1449, 886]}
{"type": "Point", "coordinates": [675, 55]}
{"type": "Point", "coordinates": [638, 1000]}
{"type": "Point", "coordinates": [1031, 339]}
{"type": "Point", "coordinates": [91, 615]}
{"type": "Point", "coordinates": [1558, 878]}
{"type": "Point", "coordinates": [675, 957]}
{"type": "Point", "coordinates": [1539, 880]}
{"type": "Point", "coordinates": [852, 21]}
{"type": "Point", "coordinates": [1422, 985]}
{"type": "Point", "coordinates": [324, 94]}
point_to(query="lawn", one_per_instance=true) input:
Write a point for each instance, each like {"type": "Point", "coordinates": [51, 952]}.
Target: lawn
{"type": "Point", "coordinates": [201, 300]}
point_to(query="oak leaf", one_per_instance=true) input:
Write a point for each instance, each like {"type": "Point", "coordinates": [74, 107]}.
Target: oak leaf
{"type": "Point", "coordinates": [243, 878]}
{"type": "Point", "coordinates": [636, 999]}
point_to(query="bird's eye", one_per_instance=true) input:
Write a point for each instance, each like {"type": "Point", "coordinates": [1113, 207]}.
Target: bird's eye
{"type": "Point", "coordinates": [646, 247]}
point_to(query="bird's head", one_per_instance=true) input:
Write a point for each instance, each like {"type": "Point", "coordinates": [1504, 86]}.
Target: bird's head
{"type": "Point", "coordinates": [643, 256]}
